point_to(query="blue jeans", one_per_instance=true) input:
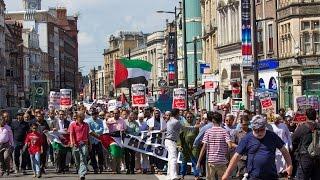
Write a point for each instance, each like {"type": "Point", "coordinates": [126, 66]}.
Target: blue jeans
{"type": "Point", "coordinates": [81, 155]}
{"type": "Point", "coordinates": [35, 161]}
{"type": "Point", "coordinates": [183, 166]}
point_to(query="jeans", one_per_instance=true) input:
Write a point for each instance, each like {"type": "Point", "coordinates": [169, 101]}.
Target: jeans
{"type": "Point", "coordinates": [308, 168]}
{"type": "Point", "coordinates": [80, 155]}
{"type": "Point", "coordinates": [171, 147]}
{"type": "Point", "coordinates": [183, 166]}
{"type": "Point", "coordinates": [17, 153]}
{"type": "Point", "coordinates": [97, 150]}
{"type": "Point", "coordinates": [35, 161]}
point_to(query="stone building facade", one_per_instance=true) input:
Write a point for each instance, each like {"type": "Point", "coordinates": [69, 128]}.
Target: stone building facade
{"type": "Point", "coordinates": [299, 50]}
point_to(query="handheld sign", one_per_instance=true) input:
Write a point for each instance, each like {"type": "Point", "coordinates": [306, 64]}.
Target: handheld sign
{"type": "Point", "coordinates": [179, 98]}
{"type": "Point", "coordinates": [54, 100]}
{"type": "Point", "coordinates": [138, 95]}
{"type": "Point", "coordinates": [65, 98]}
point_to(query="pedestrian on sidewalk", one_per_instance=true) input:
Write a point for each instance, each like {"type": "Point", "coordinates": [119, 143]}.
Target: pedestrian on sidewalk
{"type": "Point", "coordinates": [79, 141]}
{"type": "Point", "coordinates": [34, 143]}
{"type": "Point", "coordinates": [260, 148]}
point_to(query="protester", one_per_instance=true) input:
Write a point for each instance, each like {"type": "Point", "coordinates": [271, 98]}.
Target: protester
{"type": "Point", "coordinates": [216, 141]}
{"type": "Point", "coordinates": [61, 126]}
{"type": "Point", "coordinates": [20, 129]}
{"type": "Point", "coordinates": [6, 117]}
{"type": "Point", "coordinates": [79, 141]}
{"type": "Point", "coordinates": [283, 132]}
{"type": "Point", "coordinates": [236, 137]}
{"type": "Point", "coordinates": [189, 153]}
{"type": "Point", "coordinates": [43, 127]}
{"type": "Point", "coordinates": [96, 129]}
{"type": "Point", "coordinates": [172, 135]}
{"type": "Point", "coordinates": [229, 123]}
{"type": "Point", "coordinates": [6, 147]}
{"type": "Point", "coordinates": [116, 126]}
{"type": "Point", "coordinates": [260, 147]}
{"type": "Point", "coordinates": [132, 129]}
{"type": "Point", "coordinates": [34, 143]}
{"type": "Point", "coordinates": [142, 159]}
{"type": "Point", "coordinates": [308, 166]}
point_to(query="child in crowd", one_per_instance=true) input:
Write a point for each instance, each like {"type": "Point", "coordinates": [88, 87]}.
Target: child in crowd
{"type": "Point", "coordinates": [34, 143]}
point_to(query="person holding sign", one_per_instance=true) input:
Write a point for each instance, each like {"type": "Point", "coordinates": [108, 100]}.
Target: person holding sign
{"type": "Point", "coordinates": [172, 135]}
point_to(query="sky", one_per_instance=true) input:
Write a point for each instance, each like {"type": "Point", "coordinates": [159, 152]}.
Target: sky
{"type": "Point", "coordinates": [98, 19]}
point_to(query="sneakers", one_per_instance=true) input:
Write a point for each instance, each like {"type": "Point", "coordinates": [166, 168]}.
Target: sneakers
{"type": "Point", "coordinates": [82, 178]}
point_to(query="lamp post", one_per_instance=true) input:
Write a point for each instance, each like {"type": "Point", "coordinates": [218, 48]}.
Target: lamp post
{"type": "Point", "coordinates": [255, 53]}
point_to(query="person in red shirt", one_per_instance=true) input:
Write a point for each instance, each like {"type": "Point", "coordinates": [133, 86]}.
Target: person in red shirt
{"type": "Point", "coordinates": [34, 143]}
{"type": "Point", "coordinates": [79, 141]}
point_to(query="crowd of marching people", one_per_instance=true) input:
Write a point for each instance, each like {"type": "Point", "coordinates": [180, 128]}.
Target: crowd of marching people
{"type": "Point", "coordinates": [211, 144]}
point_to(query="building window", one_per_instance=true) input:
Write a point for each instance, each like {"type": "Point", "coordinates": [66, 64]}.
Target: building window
{"type": "Point", "coordinates": [305, 25]}
{"type": "Point", "coordinates": [260, 38]}
{"type": "Point", "coordinates": [315, 25]}
{"type": "Point", "coordinates": [306, 43]}
{"type": "Point", "coordinates": [270, 37]}
{"type": "Point", "coordinates": [316, 43]}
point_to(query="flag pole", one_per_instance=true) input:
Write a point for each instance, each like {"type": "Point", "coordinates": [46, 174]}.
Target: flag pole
{"type": "Point", "coordinates": [129, 99]}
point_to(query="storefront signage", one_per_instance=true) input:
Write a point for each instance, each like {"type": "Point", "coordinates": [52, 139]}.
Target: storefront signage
{"type": "Point", "coordinates": [268, 64]}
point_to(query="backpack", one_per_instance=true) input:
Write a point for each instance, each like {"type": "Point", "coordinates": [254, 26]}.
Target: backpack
{"type": "Point", "coordinates": [314, 147]}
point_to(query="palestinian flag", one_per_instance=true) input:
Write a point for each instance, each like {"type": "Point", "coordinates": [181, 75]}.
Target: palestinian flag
{"type": "Point", "coordinates": [131, 71]}
{"type": "Point", "coordinates": [109, 143]}
{"type": "Point", "coordinates": [60, 141]}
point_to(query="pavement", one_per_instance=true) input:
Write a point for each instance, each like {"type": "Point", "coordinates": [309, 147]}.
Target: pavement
{"type": "Point", "coordinates": [51, 175]}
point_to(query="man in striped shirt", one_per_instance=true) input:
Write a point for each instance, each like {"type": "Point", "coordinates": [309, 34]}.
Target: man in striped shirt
{"type": "Point", "coordinates": [216, 141]}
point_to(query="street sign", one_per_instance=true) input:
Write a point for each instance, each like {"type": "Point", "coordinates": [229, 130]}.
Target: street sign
{"type": "Point", "coordinates": [40, 91]}
{"type": "Point", "coordinates": [162, 83]}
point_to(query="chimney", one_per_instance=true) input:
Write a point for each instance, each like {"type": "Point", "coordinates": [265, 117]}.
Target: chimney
{"type": "Point", "coordinates": [61, 13]}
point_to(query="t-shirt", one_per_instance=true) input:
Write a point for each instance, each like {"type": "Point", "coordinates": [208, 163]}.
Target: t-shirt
{"type": "Point", "coordinates": [173, 129]}
{"type": "Point", "coordinates": [34, 141]}
{"type": "Point", "coordinates": [261, 154]}
{"type": "Point", "coordinates": [79, 132]}
{"type": "Point", "coordinates": [216, 139]}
